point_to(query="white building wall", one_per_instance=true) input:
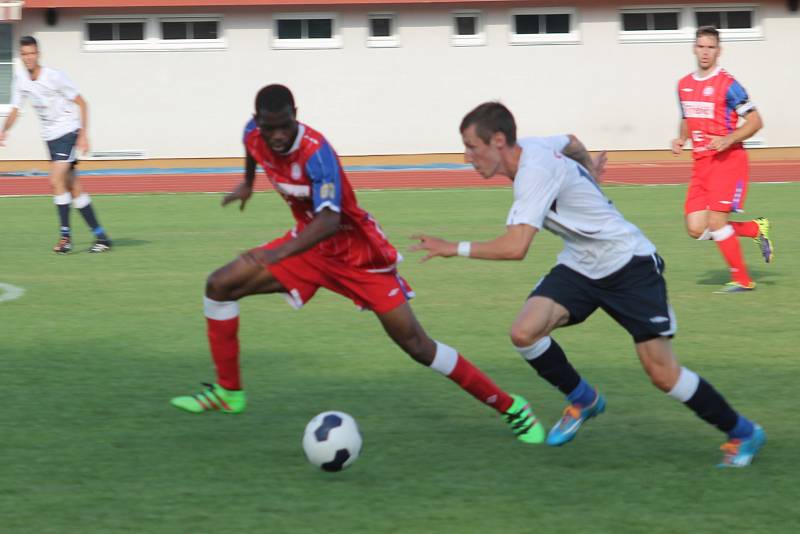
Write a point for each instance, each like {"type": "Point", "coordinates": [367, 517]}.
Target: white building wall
{"type": "Point", "coordinates": [404, 100]}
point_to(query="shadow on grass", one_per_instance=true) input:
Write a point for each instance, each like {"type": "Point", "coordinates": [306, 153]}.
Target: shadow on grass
{"type": "Point", "coordinates": [129, 242]}
{"type": "Point", "coordinates": [720, 277]}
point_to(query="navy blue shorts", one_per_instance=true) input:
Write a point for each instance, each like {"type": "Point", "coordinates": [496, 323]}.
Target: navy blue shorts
{"type": "Point", "coordinates": [63, 148]}
{"type": "Point", "coordinates": [635, 296]}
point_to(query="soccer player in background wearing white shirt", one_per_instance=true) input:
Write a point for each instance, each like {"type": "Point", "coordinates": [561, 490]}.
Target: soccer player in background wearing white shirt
{"type": "Point", "coordinates": [64, 117]}
{"type": "Point", "coordinates": [607, 263]}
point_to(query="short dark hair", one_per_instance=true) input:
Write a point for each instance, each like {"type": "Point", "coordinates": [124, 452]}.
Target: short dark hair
{"type": "Point", "coordinates": [28, 40]}
{"type": "Point", "coordinates": [274, 98]}
{"type": "Point", "coordinates": [490, 118]}
{"type": "Point", "coordinates": [707, 31]}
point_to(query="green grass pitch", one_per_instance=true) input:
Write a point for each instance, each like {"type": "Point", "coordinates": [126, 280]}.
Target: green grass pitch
{"type": "Point", "coordinates": [98, 344]}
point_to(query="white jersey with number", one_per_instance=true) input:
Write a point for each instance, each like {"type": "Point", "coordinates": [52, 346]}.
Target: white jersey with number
{"type": "Point", "coordinates": [554, 192]}
{"type": "Point", "coordinates": [52, 95]}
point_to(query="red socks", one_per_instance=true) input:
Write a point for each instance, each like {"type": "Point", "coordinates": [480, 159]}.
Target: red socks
{"type": "Point", "coordinates": [471, 379]}
{"type": "Point", "coordinates": [222, 320]}
{"type": "Point", "coordinates": [224, 343]}
{"type": "Point", "coordinates": [728, 243]}
{"type": "Point", "coordinates": [745, 229]}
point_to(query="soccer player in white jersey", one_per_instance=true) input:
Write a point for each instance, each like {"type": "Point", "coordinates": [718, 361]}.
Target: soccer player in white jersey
{"type": "Point", "coordinates": [63, 114]}
{"type": "Point", "coordinates": [607, 263]}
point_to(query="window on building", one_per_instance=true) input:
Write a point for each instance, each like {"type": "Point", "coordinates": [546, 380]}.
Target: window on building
{"type": "Point", "coordinates": [544, 26]}
{"type": "Point", "coordinates": [382, 31]}
{"type": "Point", "coordinates": [527, 24]}
{"type": "Point", "coordinates": [6, 62]}
{"type": "Point", "coordinates": [380, 26]}
{"type": "Point", "coordinates": [654, 25]}
{"type": "Point", "coordinates": [725, 19]}
{"type": "Point", "coordinates": [153, 33]}
{"type": "Point", "coordinates": [650, 21]}
{"type": "Point", "coordinates": [735, 23]}
{"type": "Point", "coordinates": [466, 24]}
{"type": "Point", "coordinates": [305, 30]}
{"type": "Point", "coordinates": [468, 29]}
{"type": "Point", "coordinates": [189, 29]}
{"type": "Point", "coordinates": [115, 31]}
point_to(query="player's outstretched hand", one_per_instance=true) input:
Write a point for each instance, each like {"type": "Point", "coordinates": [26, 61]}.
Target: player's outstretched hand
{"type": "Point", "coordinates": [677, 146]}
{"type": "Point", "coordinates": [2, 139]}
{"type": "Point", "coordinates": [82, 143]}
{"type": "Point", "coordinates": [433, 246]}
{"type": "Point", "coordinates": [242, 193]}
{"type": "Point", "coordinates": [599, 162]}
{"type": "Point", "coordinates": [260, 257]}
{"type": "Point", "coordinates": [720, 143]}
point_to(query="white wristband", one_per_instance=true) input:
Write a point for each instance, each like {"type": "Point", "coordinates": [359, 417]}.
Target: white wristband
{"type": "Point", "coordinates": [464, 248]}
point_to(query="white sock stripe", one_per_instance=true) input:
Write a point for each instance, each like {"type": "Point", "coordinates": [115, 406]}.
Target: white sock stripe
{"type": "Point", "coordinates": [64, 198]}
{"type": "Point", "coordinates": [535, 350]}
{"type": "Point", "coordinates": [723, 233]}
{"type": "Point", "coordinates": [220, 311]}
{"type": "Point", "coordinates": [705, 236]}
{"type": "Point", "coordinates": [82, 201]}
{"type": "Point", "coordinates": [445, 359]}
{"type": "Point", "coordinates": [686, 385]}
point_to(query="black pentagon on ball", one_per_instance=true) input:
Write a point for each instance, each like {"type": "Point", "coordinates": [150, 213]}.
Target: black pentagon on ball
{"type": "Point", "coordinates": [328, 423]}
{"type": "Point", "coordinates": [342, 455]}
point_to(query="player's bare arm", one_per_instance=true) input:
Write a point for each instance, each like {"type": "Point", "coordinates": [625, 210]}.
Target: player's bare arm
{"type": "Point", "coordinates": [576, 150]}
{"type": "Point", "coordinates": [82, 143]}
{"type": "Point", "coordinates": [752, 124]}
{"type": "Point", "coordinates": [244, 190]}
{"type": "Point", "coordinates": [679, 142]}
{"type": "Point", "coordinates": [323, 226]}
{"type": "Point", "coordinates": [10, 120]}
{"type": "Point", "coordinates": [512, 245]}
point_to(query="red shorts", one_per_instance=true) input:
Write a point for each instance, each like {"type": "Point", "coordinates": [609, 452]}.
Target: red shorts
{"type": "Point", "coordinates": [719, 182]}
{"type": "Point", "coordinates": [304, 273]}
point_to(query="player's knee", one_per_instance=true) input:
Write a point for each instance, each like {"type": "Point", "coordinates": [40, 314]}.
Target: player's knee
{"type": "Point", "coordinates": [695, 231]}
{"type": "Point", "coordinates": [661, 378]}
{"type": "Point", "coordinates": [420, 348]}
{"type": "Point", "coordinates": [216, 288]}
{"type": "Point", "coordinates": [525, 336]}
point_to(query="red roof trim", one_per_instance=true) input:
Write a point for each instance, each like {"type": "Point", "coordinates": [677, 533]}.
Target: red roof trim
{"type": "Point", "coordinates": [300, 4]}
{"type": "Point", "coordinates": [113, 4]}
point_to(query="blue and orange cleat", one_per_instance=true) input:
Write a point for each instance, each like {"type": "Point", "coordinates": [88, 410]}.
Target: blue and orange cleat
{"type": "Point", "coordinates": [574, 416]}
{"type": "Point", "coordinates": [763, 240]}
{"type": "Point", "coordinates": [735, 287]}
{"type": "Point", "coordinates": [740, 452]}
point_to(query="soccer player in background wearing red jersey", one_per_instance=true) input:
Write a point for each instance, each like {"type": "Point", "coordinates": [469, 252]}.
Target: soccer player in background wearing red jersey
{"type": "Point", "coordinates": [712, 102]}
{"type": "Point", "coordinates": [336, 245]}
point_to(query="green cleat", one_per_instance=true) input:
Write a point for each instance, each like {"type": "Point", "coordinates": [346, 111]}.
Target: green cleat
{"type": "Point", "coordinates": [215, 398]}
{"type": "Point", "coordinates": [763, 240]}
{"type": "Point", "coordinates": [735, 287]}
{"type": "Point", "coordinates": [523, 422]}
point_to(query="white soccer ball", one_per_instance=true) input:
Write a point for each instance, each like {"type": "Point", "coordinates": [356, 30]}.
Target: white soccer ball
{"type": "Point", "coordinates": [332, 441]}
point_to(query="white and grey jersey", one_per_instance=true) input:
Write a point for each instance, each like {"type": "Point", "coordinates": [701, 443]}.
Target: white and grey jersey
{"type": "Point", "coordinates": [554, 192]}
{"type": "Point", "coordinates": [52, 94]}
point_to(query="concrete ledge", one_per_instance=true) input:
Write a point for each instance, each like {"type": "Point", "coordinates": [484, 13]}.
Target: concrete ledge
{"type": "Point", "coordinates": [629, 156]}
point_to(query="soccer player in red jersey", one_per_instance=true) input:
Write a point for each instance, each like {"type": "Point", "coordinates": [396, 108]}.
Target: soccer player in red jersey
{"type": "Point", "coordinates": [336, 245]}
{"type": "Point", "coordinates": [712, 102]}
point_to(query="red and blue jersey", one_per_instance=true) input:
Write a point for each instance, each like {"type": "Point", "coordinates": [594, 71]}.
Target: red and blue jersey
{"type": "Point", "coordinates": [310, 178]}
{"type": "Point", "coordinates": [712, 106]}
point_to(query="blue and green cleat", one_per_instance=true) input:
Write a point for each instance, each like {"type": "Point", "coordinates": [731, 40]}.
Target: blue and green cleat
{"type": "Point", "coordinates": [213, 399]}
{"type": "Point", "coordinates": [574, 416]}
{"type": "Point", "coordinates": [523, 422]}
{"type": "Point", "coordinates": [763, 240]}
{"type": "Point", "coordinates": [740, 452]}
